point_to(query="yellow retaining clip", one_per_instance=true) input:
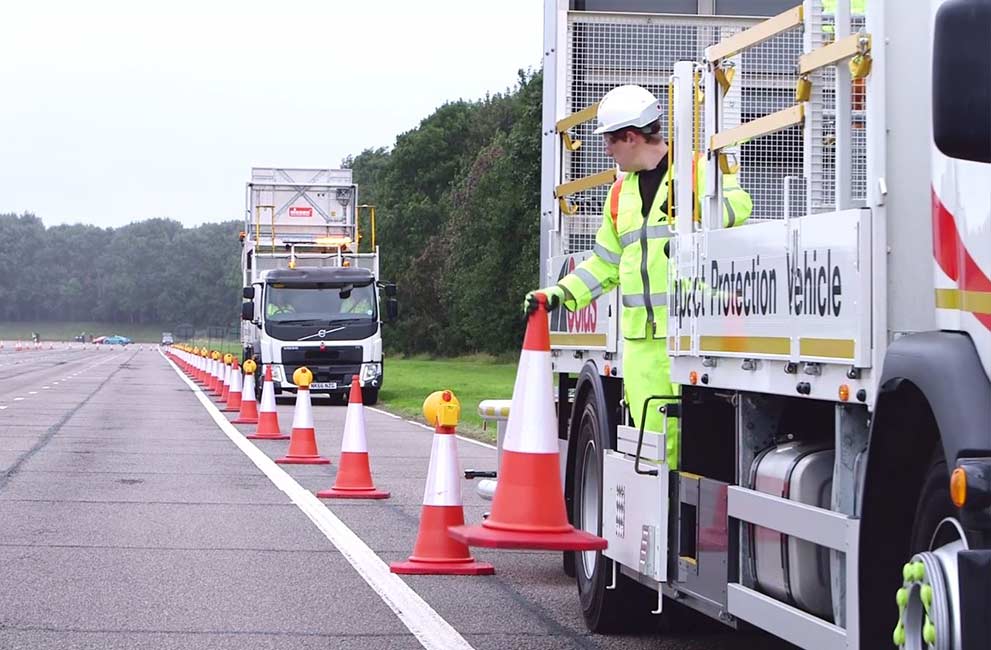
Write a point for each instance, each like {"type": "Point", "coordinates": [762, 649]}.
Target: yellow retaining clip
{"type": "Point", "coordinates": [727, 167]}
{"type": "Point", "coordinates": [567, 208]}
{"type": "Point", "coordinates": [569, 144]}
{"type": "Point", "coordinates": [724, 76]}
{"type": "Point", "coordinates": [803, 89]}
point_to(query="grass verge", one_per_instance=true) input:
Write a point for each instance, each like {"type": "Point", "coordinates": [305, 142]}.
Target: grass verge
{"type": "Point", "coordinates": [472, 379]}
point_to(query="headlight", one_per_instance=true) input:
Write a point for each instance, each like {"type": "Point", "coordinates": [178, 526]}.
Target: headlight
{"type": "Point", "coordinates": [370, 371]}
{"type": "Point", "coordinates": [277, 372]}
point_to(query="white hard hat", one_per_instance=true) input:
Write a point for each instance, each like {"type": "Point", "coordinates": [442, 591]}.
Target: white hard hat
{"type": "Point", "coordinates": [625, 106]}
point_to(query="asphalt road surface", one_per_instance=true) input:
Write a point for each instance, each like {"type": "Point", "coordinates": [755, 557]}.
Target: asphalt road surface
{"type": "Point", "coordinates": [132, 517]}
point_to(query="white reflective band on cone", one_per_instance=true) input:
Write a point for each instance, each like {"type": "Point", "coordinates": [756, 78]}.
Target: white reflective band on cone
{"type": "Point", "coordinates": [248, 390]}
{"type": "Point", "coordinates": [268, 398]}
{"type": "Point", "coordinates": [532, 426]}
{"type": "Point", "coordinates": [443, 486]}
{"type": "Point", "coordinates": [302, 417]}
{"type": "Point", "coordinates": [354, 430]}
{"type": "Point", "coordinates": [235, 381]}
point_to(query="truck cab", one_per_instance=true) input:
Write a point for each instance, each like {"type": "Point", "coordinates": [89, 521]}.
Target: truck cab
{"type": "Point", "coordinates": [326, 319]}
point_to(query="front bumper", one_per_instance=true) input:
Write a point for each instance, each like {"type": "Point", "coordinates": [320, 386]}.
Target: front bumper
{"type": "Point", "coordinates": [329, 379]}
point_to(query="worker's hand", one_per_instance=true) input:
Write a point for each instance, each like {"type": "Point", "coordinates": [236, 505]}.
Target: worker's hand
{"type": "Point", "coordinates": [554, 294]}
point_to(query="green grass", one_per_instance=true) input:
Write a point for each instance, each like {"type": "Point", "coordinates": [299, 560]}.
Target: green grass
{"type": "Point", "coordinates": [234, 347]}
{"type": "Point", "coordinates": [51, 331]}
{"type": "Point", "coordinates": [472, 379]}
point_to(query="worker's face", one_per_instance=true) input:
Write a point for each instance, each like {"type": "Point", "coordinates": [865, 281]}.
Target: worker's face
{"type": "Point", "coordinates": [621, 147]}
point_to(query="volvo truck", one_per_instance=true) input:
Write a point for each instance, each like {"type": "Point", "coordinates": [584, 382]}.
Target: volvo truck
{"type": "Point", "coordinates": [312, 296]}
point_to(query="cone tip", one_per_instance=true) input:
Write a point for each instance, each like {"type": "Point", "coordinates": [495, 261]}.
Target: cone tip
{"type": "Point", "coordinates": [355, 396]}
{"type": "Point", "coordinates": [537, 335]}
{"type": "Point", "coordinates": [268, 372]}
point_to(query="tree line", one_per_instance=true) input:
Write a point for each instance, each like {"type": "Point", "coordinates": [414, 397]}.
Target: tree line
{"type": "Point", "coordinates": [458, 213]}
{"type": "Point", "coordinates": [153, 271]}
{"type": "Point", "coordinates": [458, 216]}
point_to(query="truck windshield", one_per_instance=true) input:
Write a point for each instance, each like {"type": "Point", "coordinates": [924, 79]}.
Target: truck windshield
{"type": "Point", "coordinates": [285, 304]}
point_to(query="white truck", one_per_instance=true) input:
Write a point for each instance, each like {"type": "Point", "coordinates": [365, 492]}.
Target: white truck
{"type": "Point", "coordinates": [311, 296]}
{"type": "Point", "coordinates": [833, 352]}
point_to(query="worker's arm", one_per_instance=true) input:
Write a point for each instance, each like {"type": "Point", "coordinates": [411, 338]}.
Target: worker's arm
{"type": "Point", "coordinates": [737, 204]}
{"type": "Point", "coordinates": [598, 274]}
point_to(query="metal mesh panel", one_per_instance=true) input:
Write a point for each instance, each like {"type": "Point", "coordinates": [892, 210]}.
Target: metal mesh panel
{"type": "Point", "coordinates": [771, 166]}
{"type": "Point", "coordinates": [822, 117]}
{"type": "Point", "coordinates": [607, 50]}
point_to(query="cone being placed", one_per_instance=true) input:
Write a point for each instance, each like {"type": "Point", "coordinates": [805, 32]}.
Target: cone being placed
{"type": "Point", "coordinates": [268, 417]}
{"type": "Point", "coordinates": [354, 478]}
{"type": "Point", "coordinates": [435, 551]}
{"type": "Point", "coordinates": [528, 510]}
{"type": "Point", "coordinates": [249, 407]}
{"type": "Point", "coordinates": [303, 437]}
{"type": "Point", "coordinates": [233, 404]}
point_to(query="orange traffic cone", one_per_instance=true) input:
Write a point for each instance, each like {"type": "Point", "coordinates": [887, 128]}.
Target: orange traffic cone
{"type": "Point", "coordinates": [268, 419]}
{"type": "Point", "coordinates": [225, 373]}
{"type": "Point", "coordinates": [528, 508]}
{"type": "Point", "coordinates": [233, 404]}
{"type": "Point", "coordinates": [303, 437]}
{"type": "Point", "coordinates": [249, 407]}
{"type": "Point", "coordinates": [435, 553]}
{"type": "Point", "coordinates": [354, 478]}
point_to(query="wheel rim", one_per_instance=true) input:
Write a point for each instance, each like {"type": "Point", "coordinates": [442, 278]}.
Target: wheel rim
{"type": "Point", "coordinates": [928, 601]}
{"type": "Point", "coordinates": [589, 508]}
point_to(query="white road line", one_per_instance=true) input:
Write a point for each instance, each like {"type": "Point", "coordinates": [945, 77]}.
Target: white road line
{"type": "Point", "coordinates": [2, 408]}
{"type": "Point", "coordinates": [18, 399]}
{"type": "Point", "coordinates": [429, 628]}
{"type": "Point", "coordinates": [429, 428]}
{"type": "Point", "coordinates": [32, 392]}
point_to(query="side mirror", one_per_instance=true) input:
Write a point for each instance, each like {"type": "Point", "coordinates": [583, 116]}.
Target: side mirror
{"type": "Point", "coordinates": [391, 309]}
{"type": "Point", "coordinates": [248, 293]}
{"type": "Point", "coordinates": [390, 289]}
{"type": "Point", "coordinates": [961, 85]}
{"type": "Point", "coordinates": [247, 311]}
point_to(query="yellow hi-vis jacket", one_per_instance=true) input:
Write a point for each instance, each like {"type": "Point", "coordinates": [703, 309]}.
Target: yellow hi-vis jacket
{"type": "Point", "coordinates": [629, 252]}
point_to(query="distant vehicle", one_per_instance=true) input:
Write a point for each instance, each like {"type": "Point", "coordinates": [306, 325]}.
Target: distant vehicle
{"type": "Point", "coordinates": [167, 338]}
{"type": "Point", "coordinates": [98, 339]}
{"type": "Point", "coordinates": [116, 339]}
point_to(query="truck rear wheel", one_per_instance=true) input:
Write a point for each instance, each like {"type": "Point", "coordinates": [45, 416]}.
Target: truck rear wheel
{"type": "Point", "coordinates": [627, 606]}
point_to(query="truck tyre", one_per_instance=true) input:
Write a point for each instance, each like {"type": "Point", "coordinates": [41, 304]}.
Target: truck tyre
{"type": "Point", "coordinates": [627, 607]}
{"type": "Point", "coordinates": [934, 504]}
{"type": "Point", "coordinates": [369, 396]}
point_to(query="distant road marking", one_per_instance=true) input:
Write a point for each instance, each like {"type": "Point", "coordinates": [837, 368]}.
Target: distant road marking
{"type": "Point", "coordinates": [18, 399]}
{"type": "Point", "coordinates": [429, 628]}
{"type": "Point", "coordinates": [32, 392]}
{"type": "Point", "coordinates": [2, 408]}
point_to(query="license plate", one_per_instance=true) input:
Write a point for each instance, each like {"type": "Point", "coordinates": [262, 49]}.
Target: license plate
{"type": "Point", "coordinates": [323, 385]}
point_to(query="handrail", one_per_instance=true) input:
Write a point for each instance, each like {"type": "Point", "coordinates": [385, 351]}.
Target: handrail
{"type": "Point", "coordinates": [584, 115]}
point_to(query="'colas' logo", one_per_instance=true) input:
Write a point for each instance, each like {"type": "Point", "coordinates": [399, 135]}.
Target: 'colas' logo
{"type": "Point", "coordinates": [295, 211]}
{"type": "Point", "coordinates": [582, 321]}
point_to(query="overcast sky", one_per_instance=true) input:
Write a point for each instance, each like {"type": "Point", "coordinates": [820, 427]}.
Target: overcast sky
{"type": "Point", "coordinates": [112, 112]}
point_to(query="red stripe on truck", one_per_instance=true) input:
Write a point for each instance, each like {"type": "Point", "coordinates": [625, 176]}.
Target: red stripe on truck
{"type": "Point", "coordinates": [952, 256]}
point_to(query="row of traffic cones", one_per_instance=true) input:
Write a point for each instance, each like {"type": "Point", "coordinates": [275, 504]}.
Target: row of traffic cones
{"type": "Point", "coordinates": [528, 508]}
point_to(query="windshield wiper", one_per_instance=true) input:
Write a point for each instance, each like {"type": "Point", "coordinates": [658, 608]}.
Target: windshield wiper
{"type": "Point", "coordinates": [300, 321]}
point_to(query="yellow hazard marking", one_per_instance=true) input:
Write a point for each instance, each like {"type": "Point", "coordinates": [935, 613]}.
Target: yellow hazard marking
{"type": "Point", "coordinates": [975, 302]}
{"type": "Point", "coordinates": [579, 340]}
{"type": "Point", "coordinates": [833, 348]}
{"type": "Point", "coordinates": [756, 344]}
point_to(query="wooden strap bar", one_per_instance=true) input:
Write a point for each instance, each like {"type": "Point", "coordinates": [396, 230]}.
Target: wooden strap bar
{"type": "Point", "coordinates": [584, 115]}
{"type": "Point", "coordinates": [755, 35]}
{"type": "Point", "coordinates": [833, 53]}
{"type": "Point", "coordinates": [582, 184]}
{"type": "Point", "coordinates": [761, 126]}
